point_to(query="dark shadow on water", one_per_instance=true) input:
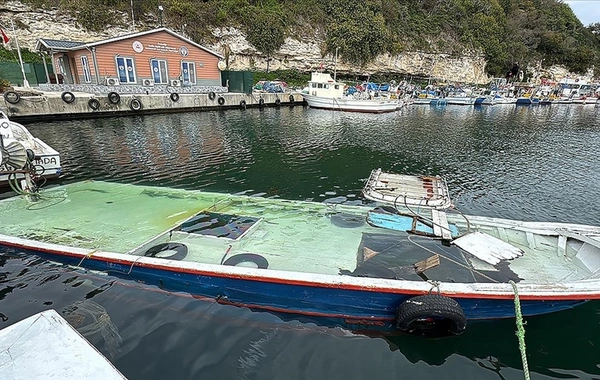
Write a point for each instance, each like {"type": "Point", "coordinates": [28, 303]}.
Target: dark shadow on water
{"type": "Point", "coordinates": [552, 341]}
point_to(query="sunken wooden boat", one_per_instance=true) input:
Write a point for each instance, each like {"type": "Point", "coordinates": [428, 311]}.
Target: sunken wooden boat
{"type": "Point", "coordinates": [406, 263]}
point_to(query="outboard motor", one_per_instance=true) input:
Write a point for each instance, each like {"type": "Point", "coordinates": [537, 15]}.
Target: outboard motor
{"type": "Point", "coordinates": [15, 159]}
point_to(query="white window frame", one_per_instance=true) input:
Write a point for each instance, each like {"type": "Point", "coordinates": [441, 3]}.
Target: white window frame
{"type": "Point", "coordinates": [191, 78]}
{"type": "Point", "coordinates": [129, 68]}
{"type": "Point", "coordinates": [87, 74]}
{"type": "Point", "coordinates": [162, 79]}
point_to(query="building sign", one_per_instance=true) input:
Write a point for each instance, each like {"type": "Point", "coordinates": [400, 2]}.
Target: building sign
{"type": "Point", "coordinates": [137, 46]}
{"type": "Point", "coordinates": [183, 51]}
{"type": "Point", "coordinates": [162, 48]}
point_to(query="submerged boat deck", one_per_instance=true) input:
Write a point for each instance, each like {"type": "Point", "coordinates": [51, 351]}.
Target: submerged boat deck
{"type": "Point", "coordinates": [308, 237]}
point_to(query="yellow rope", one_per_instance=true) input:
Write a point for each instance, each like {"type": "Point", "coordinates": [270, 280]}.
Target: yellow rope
{"type": "Point", "coordinates": [520, 330]}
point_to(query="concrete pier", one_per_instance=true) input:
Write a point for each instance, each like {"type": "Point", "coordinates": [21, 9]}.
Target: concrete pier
{"type": "Point", "coordinates": [54, 105]}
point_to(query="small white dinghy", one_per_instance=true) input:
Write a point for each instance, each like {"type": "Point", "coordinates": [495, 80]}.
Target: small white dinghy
{"type": "Point", "coordinates": [45, 346]}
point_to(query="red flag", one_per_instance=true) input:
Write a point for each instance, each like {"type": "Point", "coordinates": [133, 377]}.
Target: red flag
{"type": "Point", "coordinates": [5, 38]}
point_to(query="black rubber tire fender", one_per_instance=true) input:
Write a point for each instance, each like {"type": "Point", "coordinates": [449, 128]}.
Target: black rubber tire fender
{"type": "Point", "coordinates": [174, 96]}
{"type": "Point", "coordinates": [94, 103]}
{"type": "Point", "coordinates": [261, 102]}
{"type": "Point", "coordinates": [180, 250]}
{"type": "Point", "coordinates": [114, 97]}
{"type": "Point", "coordinates": [221, 100]}
{"type": "Point", "coordinates": [277, 102]}
{"type": "Point", "coordinates": [135, 105]}
{"type": "Point", "coordinates": [12, 97]}
{"type": "Point", "coordinates": [260, 261]}
{"type": "Point", "coordinates": [431, 315]}
{"type": "Point", "coordinates": [291, 98]}
{"type": "Point", "coordinates": [211, 95]}
{"type": "Point", "coordinates": [243, 104]}
{"type": "Point", "coordinates": [67, 97]}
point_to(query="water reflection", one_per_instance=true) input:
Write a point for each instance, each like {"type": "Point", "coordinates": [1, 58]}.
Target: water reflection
{"type": "Point", "coordinates": [532, 163]}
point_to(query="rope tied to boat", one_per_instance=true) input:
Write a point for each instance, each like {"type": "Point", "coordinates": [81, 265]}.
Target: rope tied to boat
{"type": "Point", "coordinates": [520, 330]}
{"type": "Point", "coordinates": [87, 256]}
{"type": "Point", "coordinates": [434, 285]}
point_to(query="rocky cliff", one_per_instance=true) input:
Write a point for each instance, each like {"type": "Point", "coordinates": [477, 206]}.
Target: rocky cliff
{"type": "Point", "coordinates": [301, 53]}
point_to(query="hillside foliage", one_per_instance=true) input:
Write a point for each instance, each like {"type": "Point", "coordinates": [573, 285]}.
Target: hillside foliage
{"type": "Point", "coordinates": [531, 32]}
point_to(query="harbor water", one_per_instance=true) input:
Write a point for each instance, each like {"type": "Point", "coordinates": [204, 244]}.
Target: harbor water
{"type": "Point", "coordinates": [528, 163]}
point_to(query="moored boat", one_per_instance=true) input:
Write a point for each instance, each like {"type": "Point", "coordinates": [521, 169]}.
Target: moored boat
{"type": "Point", "coordinates": [21, 152]}
{"type": "Point", "coordinates": [406, 263]}
{"type": "Point", "coordinates": [45, 346]}
{"type": "Point", "coordinates": [326, 93]}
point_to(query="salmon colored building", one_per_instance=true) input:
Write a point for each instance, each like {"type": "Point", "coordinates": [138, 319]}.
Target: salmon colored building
{"type": "Point", "coordinates": [158, 57]}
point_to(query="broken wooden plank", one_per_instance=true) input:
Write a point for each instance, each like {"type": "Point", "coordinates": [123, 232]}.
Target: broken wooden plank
{"type": "Point", "coordinates": [428, 263]}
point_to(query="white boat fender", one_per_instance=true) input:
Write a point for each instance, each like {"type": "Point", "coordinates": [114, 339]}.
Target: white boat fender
{"type": "Point", "coordinates": [221, 100]}
{"type": "Point", "coordinates": [180, 250]}
{"type": "Point", "coordinates": [211, 95]}
{"type": "Point", "coordinates": [431, 315]}
{"type": "Point", "coordinates": [114, 97]}
{"type": "Point", "coordinates": [243, 104]}
{"type": "Point", "coordinates": [277, 102]}
{"type": "Point", "coordinates": [135, 104]}
{"type": "Point", "coordinates": [12, 97]}
{"type": "Point", "coordinates": [243, 259]}
{"type": "Point", "coordinates": [94, 103]}
{"type": "Point", "coordinates": [67, 97]}
{"type": "Point", "coordinates": [174, 96]}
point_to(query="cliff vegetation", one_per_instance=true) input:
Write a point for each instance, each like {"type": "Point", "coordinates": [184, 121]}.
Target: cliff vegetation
{"type": "Point", "coordinates": [531, 32]}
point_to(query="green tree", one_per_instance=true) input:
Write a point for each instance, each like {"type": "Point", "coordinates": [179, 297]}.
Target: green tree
{"type": "Point", "coordinates": [266, 31]}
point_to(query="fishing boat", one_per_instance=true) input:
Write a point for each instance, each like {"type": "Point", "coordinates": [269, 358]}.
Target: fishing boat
{"type": "Point", "coordinates": [46, 346]}
{"type": "Point", "coordinates": [21, 152]}
{"type": "Point", "coordinates": [405, 261]}
{"type": "Point", "coordinates": [325, 92]}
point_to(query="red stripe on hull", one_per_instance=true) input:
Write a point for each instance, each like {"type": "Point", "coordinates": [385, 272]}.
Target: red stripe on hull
{"type": "Point", "coordinates": [567, 297]}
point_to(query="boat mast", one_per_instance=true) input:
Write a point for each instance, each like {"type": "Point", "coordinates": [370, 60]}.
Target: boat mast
{"type": "Point", "coordinates": [335, 64]}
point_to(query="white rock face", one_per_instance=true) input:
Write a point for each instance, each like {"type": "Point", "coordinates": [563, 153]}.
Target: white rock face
{"type": "Point", "coordinates": [303, 54]}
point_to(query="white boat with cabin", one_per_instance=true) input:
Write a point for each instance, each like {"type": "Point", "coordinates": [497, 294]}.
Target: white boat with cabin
{"type": "Point", "coordinates": [325, 92]}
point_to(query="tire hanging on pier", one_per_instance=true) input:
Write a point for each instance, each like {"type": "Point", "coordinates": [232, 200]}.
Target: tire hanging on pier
{"type": "Point", "coordinates": [67, 97]}
{"type": "Point", "coordinates": [211, 95]}
{"type": "Point", "coordinates": [12, 97]}
{"type": "Point", "coordinates": [94, 103]}
{"type": "Point", "coordinates": [261, 102]}
{"type": "Point", "coordinates": [431, 315]}
{"type": "Point", "coordinates": [291, 98]}
{"type": "Point", "coordinates": [174, 96]}
{"type": "Point", "coordinates": [135, 105]}
{"type": "Point", "coordinates": [221, 100]}
{"type": "Point", "coordinates": [277, 102]}
{"type": "Point", "coordinates": [114, 97]}
{"type": "Point", "coordinates": [243, 104]}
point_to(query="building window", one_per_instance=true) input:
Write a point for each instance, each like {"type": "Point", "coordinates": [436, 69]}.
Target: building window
{"type": "Point", "coordinates": [87, 76]}
{"type": "Point", "coordinates": [126, 70]}
{"type": "Point", "coordinates": [188, 71]}
{"type": "Point", "coordinates": [160, 74]}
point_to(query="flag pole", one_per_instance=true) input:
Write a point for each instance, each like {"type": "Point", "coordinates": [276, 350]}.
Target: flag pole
{"type": "Point", "coordinates": [25, 82]}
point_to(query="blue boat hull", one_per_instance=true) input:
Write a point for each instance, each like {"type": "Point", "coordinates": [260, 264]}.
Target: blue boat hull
{"type": "Point", "coordinates": [354, 309]}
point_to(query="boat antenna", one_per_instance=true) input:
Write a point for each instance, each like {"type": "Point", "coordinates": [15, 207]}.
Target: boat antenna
{"type": "Point", "coordinates": [335, 64]}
